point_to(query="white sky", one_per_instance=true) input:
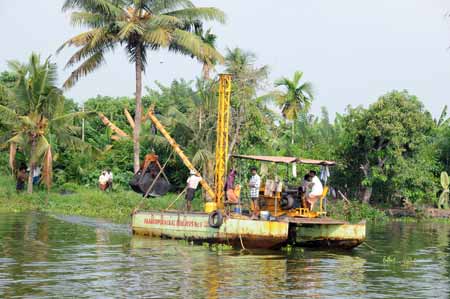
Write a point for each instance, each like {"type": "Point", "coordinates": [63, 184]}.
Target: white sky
{"type": "Point", "coordinates": [353, 51]}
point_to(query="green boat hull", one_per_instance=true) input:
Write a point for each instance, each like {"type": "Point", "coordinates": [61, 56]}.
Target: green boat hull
{"type": "Point", "coordinates": [343, 236]}
{"type": "Point", "coordinates": [195, 227]}
{"type": "Point", "coordinates": [241, 232]}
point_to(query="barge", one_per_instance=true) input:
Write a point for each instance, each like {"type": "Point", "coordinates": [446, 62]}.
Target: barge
{"type": "Point", "coordinates": [242, 232]}
{"type": "Point", "coordinates": [289, 221]}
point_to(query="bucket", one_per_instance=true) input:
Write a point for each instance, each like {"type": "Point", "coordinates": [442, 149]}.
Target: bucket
{"type": "Point", "coordinates": [210, 206]}
{"type": "Point", "coordinates": [264, 215]}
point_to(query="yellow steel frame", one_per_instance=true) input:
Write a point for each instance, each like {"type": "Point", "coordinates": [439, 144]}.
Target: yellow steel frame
{"type": "Point", "coordinates": [223, 122]}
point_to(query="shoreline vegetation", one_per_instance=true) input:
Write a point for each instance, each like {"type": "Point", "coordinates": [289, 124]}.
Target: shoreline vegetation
{"type": "Point", "coordinates": [117, 206]}
{"type": "Point", "coordinates": [389, 152]}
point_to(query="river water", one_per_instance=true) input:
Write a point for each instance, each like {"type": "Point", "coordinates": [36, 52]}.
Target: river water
{"type": "Point", "coordinates": [44, 256]}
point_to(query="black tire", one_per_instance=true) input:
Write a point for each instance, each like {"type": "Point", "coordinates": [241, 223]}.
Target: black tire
{"type": "Point", "coordinates": [215, 219]}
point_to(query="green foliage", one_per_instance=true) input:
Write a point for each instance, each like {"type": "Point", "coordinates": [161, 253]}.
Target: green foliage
{"type": "Point", "coordinates": [36, 118]}
{"type": "Point", "coordinates": [443, 198]}
{"type": "Point", "coordinates": [387, 150]}
{"type": "Point", "coordinates": [354, 211]}
{"type": "Point", "coordinates": [295, 98]}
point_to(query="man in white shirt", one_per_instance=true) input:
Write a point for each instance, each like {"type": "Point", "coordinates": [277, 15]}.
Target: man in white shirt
{"type": "Point", "coordinates": [316, 190]}
{"type": "Point", "coordinates": [36, 175]}
{"type": "Point", "coordinates": [254, 184]}
{"type": "Point", "coordinates": [192, 184]}
{"type": "Point", "coordinates": [103, 181]}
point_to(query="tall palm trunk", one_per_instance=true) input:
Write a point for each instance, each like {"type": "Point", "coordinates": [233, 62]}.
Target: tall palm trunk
{"type": "Point", "coordinates": [293, 132]}
{"type": "Point", "coordinates": [31, 165]}
{"type": "Point", "coordinates": [138, 112]}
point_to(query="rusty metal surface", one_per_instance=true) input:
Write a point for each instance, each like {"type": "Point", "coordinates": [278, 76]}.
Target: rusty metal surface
{"type": "Point", "coordinates": [331, 235]}
{"type": "Point", "coordinates": [324, 220]}
{"type": "Point", "coordinates": [287, 160]}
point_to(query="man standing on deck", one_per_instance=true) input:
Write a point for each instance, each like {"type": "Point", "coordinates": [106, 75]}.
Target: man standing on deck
{"type": "Point", "coordinates": [192, 184]}
{"type": "Point", "coordinates": [254, 184]}
{"type": "Point", "coordinates": [316, 190]}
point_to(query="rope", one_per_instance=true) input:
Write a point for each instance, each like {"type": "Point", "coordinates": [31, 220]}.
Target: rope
{"type": "Point", "coordinates": [240, 238]}
{"type": "Point", "coordinates": [179, 195]}
{"type": "Point", "coordinates": [157, 177]}
{"type": "Point", "coordinates": [138, 206]}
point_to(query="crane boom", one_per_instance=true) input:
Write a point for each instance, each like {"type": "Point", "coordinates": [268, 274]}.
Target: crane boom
{"type": "Point", "coordinates": [180, 153]}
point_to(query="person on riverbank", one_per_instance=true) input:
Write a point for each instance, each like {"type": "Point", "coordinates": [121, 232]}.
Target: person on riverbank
{"type": "Point", "coordinates": [36, 175]}
{"type": "Point", "coordinates": [21, 178]}
{"type": "Point", "coordinates": [316, 189]}
{"type": "Point", "coordinates": [254, 184]}
{"type": "Point", "coordinates": [103, 181]}
{"type": "Point", "coordinates": [109, 175]}
{"type": "Point", "coordinates": [192, 184]}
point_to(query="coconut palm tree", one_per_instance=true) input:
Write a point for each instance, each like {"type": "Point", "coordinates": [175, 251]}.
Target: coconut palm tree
{"type": "Point", "coordinates": [138, 25]}
{"type": "Point", "coordinates": [208, 63]}
{"type": "Point", "coordinates": [37, 116]}
{"type": "Point", "coordinates": [295, 97]}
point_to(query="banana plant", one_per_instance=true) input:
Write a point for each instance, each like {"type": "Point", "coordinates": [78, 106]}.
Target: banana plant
{"type": "Point", "coordinates": [443, 199]}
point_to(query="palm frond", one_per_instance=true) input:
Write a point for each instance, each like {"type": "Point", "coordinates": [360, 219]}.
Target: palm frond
{"type": "Point", "coordinates": [159, 37]}
{"type": "Point", "coordinates": [297, 77]}
{"type": "Point", "coordinates": [164, 21]}
{"type": "Point", "coordinates": [41, 147]}
{"type": "Point", "coordinates": [201, 158]}
{"type": "Point", "coordinates": [200, 14]}
{"type": "Point", "coordinates": [71, 116]}
{"type": "Point", "coordinates": [18, 139]}
{"type": "Point", "coordinates": [89, 65]}
{"type": "Point", "coordinates": [79, 40]}
{"type": "Point", "coordinates": [161, 7]}
{"type": "Point", "coordinates": [193, 44]}
{"type": "Point", "coordinates": [98, 41]}
{"type": "Point", "coordinates": [307, 89]}
{"type": "Point", "coordinates": [7, 116]}
{"type": "Point", "coordinates": [105, 7]}
{"type": "Point", "coordinates": [89, 19]}
{"type": "Point", "coordinates": [129, 28]}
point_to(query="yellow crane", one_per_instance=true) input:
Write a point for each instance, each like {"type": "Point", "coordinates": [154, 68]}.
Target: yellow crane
{"type": "Point", "coordinates": [223, 121]}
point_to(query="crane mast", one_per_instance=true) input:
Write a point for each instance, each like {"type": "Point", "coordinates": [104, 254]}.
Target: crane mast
{"type": "Point", "coordinates": [222, 131]}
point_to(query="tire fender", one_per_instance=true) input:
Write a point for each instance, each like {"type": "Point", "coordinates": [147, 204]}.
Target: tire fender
{"type": "Point", "coordinates": [215, 219]}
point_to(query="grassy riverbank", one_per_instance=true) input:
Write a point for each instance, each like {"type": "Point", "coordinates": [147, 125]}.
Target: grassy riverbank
{"type": "Point", "coordinates": [77, 200]}
{"type": "Point", "coordinates": [116, 206]}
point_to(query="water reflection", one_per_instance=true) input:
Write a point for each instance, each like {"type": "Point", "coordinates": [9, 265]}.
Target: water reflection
{"type": "Point", "coordinates": [42, 256]}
